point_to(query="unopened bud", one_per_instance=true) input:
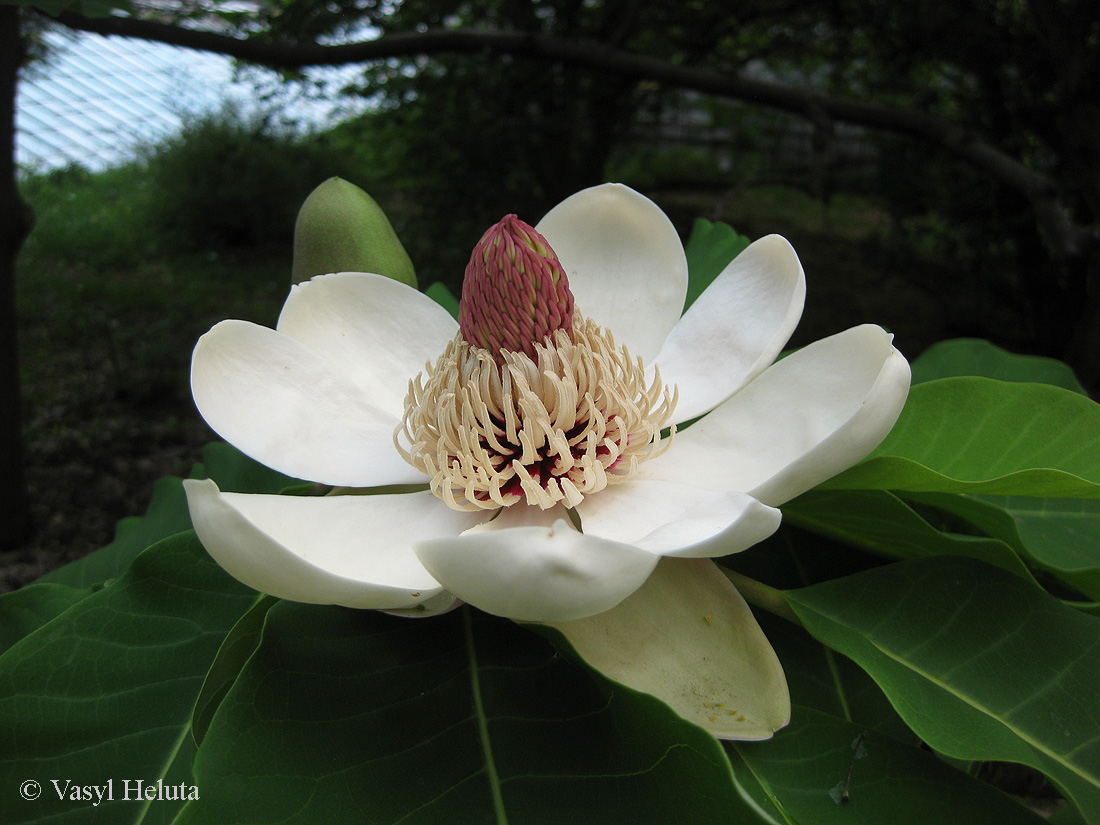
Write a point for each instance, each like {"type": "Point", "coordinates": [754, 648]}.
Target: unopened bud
{"type": "Point", "coordinates": [515, 293]}
{"type": "Point", "coordinates": [341, 228]}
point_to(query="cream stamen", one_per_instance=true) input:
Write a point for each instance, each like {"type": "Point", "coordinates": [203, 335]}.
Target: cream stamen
{"type": "Point", "coordinates": [551, 428]}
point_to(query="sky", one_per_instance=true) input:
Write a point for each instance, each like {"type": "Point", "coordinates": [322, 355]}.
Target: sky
{"type": "Point", "coordinates": [98, 99]}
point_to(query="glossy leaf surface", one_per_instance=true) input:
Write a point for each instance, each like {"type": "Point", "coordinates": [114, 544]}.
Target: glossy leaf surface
{"type": "Point", "coordinates": [824, 770]}
{"type": "Point", "coordinates": [976, 435]}
{"type": "Point", "coordinates": [709, 249]}
{"type": "Point", "coordinates": [345, 715]}
{"type": "Point", "coordinates": [980, 664]}
{"type": "Point", "coordinates": [1061, 535]}
{"type": "Point", "coordinates": [973, 356]}
{"type": "Point", "coordinates": [104, 690]}
{"type": "Point", "coordinates": [879, 521]}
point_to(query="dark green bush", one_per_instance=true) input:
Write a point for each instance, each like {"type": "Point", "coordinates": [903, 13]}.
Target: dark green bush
{"type": "Point", "coordinates": [228, 182]}
{"type": "Point", "coordinates": [98, 220]}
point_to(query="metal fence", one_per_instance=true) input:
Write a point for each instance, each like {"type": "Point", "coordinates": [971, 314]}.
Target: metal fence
{"type": "Point", "coordinates": [97, 100]}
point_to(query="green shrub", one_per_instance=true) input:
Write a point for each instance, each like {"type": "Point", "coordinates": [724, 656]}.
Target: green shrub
{"type": "Point", "coordinates": [228, 182]}
{"type": "Point", "coordinates": [96, 220]}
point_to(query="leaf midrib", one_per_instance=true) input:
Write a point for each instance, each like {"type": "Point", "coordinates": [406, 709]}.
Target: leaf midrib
{"type": "Point", "coordinates": [483, 721]}
{"type": "Point", "coordinates": [1038, 746]}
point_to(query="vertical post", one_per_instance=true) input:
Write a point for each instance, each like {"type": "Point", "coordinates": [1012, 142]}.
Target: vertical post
{"type": "Point", "coordinates": [15, 225]}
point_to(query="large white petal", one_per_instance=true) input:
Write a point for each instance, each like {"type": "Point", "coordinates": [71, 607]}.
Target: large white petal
{"type": "Point", "coordinates": [625, 263]}
{"type": "Point", "coordinates": [377, 331]}
{"type": "Point", "coordinates": [687, 637]}
{"type": "Point", "coordinates": [802, 421]}
{"type": "Point", "coordinates": [355, 551]}
{"type": "Point", "coordinates": [674, 519]}
{"type": "Point", "coordinates": [736, 328]}
{"type": "Point", "coordinates": [281, 402]}
{"type": "Point", "coordinates": [536, 572]}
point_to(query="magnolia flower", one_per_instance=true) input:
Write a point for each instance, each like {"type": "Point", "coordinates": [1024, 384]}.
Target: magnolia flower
{"type": "Point", "coordinates": [527, 459]}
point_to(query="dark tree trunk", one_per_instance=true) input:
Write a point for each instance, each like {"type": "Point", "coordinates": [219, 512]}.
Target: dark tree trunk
{"type": "Point", "coordinates": [15, 225]}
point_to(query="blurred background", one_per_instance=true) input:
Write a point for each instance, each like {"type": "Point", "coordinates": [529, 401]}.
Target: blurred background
{"type": "Point", "coordinates": [935, 164]}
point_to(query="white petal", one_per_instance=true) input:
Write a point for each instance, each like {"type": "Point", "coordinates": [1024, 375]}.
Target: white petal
{"type": "Point", "coordinates": [688, 638]}
{"type": "Point", "coordinates": [355, 551]}
{"type": "Point", "coordinates": [281, 403]}
{"type": "Point", "coordinates": [445, 602]}
{"type": "Point", "coordinates": [802, 421]}
{"type": "Point", "coordinates": [674, 519]}
{"type": "Point", "coordinates": [375, 330]}
{"type": "Point", "coordinates": [536, 572]}
{"type": "Point", "coordinates": [736, 328]}
{"type": "Point", "coordinates": [625, 263]}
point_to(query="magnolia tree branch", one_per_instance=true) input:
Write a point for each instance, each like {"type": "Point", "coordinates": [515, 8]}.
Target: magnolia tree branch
{"type": "Point", "coordinates": [1066, 237]}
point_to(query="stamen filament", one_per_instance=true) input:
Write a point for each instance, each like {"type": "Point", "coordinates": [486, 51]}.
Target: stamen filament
{"type": "Point", "coordinates": [554, 426]}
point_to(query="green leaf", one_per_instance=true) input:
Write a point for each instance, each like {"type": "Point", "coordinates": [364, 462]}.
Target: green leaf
{"type": "Point", "coordinates": [235, 472]}
{"type": "Point", "coordinates": [105, 690]}
{"type": "Point", "coordinates": [973, 356]}
{"type": "Point", "coordinates": [1067, 815]}
{"type": "Point", "coordinates": [166, 516]}
{"type": "Point", "coordinates": [1058, 534]}
{"type": "Point", "coordinates": [807, 767]}
{"type": "Point", "coordinates": [460, 718]}
{"type": "Point", "coordinates": [980, 664]}
{"type": "Point", "coordinates": [976, 435]}
{"type": "Point", "coordinates": [878, 520]}
{"type": "Point", "coordinates": [439, 293]}
{"type": "Point", "coordinates": [27, 609]}
{"type": "Point", "coordinates": [239, 644]}
{"type": "Point", "coordinates": [824, 680]}
{"type": "Point", "coordinates": [709, 249]}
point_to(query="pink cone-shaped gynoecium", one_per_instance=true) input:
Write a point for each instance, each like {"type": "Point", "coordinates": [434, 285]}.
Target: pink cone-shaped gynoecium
{"type": "Point", "coordinates": [515, 293]}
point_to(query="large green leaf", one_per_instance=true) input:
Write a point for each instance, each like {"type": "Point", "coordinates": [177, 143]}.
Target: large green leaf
{"type": "Point", "coordinates": [235, 650]}
{"type": "Point", "coordinates": [27, 609]}
{"type": "Point", "coordinates": [234, 471]}
{"type": "Point", "coordinates": [104, 691]}
{"type": "Point", "coordinates": [439, 293]}
{"type": "Point", "coordinates": [34, 605]}
{"type": "Point", "coordinates": [807, 768]}
{"type": "Point", "coordinates": [977, 435]}
{"type": "Point", "coordinates": [166, 516]}
{"type": "Point", "coordinates": [1061, 535]}
{"type": "Point", "coordinates": [878, 520]}
{"type": "Point", "coordinates": [709, 249]}
{"type": "Point", "coordinates": [980, 664]}
{"type": "Point", "coordinates": [973, 356]}
{"type": "Point", "coordinates": [350, 716]}
{"type": "Point", "coordinates": [821, 679]}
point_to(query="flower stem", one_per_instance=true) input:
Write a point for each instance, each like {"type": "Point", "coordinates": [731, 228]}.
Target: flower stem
{"type": "Point", "coordinates": [761, 595]}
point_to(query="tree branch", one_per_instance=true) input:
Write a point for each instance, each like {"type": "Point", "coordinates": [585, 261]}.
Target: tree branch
{"type": "Point", "coordinates": [1066, 237]}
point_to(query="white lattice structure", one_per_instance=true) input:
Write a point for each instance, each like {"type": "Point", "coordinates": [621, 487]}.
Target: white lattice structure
{"type": "Point", "coordinates": [99, 98]}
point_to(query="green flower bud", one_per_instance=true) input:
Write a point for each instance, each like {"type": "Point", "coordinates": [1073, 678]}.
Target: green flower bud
{"type": "Point", "coordinates": [341, 228]}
